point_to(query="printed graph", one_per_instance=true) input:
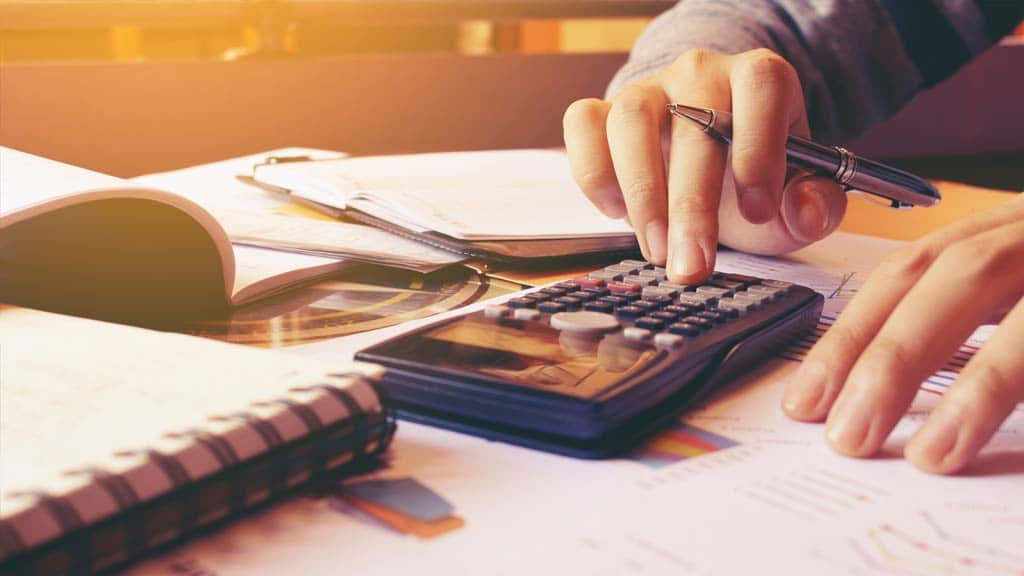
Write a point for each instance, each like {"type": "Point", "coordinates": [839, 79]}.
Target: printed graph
{"type": "Point", "coordinates": [680, 442]}
{"type": "Point", "coordinates": [813, 494]}
{"type": "Point", "coordinates": [929, 548]}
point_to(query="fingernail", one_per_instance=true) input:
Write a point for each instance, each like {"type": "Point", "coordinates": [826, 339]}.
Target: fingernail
{"type": "Point", "coordinates": [657, 240]}
{"type": "Point", "coordinates": [688, 260]}
{"type": "Point", "coordinates": [848, 427]}
{"type": "Point", "coordinates": [755, 204]}
{"type": "Point", "coordinates": [804, 394]}
{"type": "Point", "coordinates": [812, 216]}
{"type": "Point", "coordinates": [933, 446]}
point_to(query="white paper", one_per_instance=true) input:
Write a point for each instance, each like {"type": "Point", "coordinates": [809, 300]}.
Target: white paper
{"type": "Point", "coordinates": [778, 501]}
{"type": "Point", "coordinates": [494, 195]}
{"type": "Point", "coordinates": [251, 216]}
{"type": "Point", "coordinates": [355, 241]}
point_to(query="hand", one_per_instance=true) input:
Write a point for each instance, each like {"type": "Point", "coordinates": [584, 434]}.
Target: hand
{"type": "Point", "coordinates": [912, 315]}
{"type": "Point", "coordinates": [632, 159]}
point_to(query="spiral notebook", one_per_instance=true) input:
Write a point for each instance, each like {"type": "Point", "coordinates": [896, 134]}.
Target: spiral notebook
{"type": "Point", "coordinates": [115, 440]}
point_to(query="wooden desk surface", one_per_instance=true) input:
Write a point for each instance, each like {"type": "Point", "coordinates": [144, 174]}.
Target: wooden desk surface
{"type": "Point", "coordinates": [958, 201]}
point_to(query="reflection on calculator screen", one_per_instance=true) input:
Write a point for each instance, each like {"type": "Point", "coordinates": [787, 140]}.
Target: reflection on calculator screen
{"type": "Point", "coordinates": [533, 354]}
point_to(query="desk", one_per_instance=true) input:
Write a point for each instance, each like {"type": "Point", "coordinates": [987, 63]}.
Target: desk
{"type": "Point", "coordinates": [736, 488]}
{"type": "Point", "coordinates": [958, 201]}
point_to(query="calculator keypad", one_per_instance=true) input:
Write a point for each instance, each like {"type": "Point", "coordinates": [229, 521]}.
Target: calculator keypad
{"type": "Point", "coordinates": [637, 298]}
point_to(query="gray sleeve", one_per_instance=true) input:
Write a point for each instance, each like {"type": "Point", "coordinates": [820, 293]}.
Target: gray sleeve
{"type": "Point", "coordinates": [858, 60]}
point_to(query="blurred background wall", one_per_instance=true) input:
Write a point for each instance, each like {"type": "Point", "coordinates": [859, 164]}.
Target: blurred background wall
{"type": "Point", "coordinates": [134, 86]}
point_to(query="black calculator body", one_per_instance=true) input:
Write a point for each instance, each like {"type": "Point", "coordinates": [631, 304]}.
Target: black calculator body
{"type": "Point", "coordinates": [590, 366]}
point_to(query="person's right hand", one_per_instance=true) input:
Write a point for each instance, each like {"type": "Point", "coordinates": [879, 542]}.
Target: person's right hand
{"type": "Point", "coordinates": [631, 158]}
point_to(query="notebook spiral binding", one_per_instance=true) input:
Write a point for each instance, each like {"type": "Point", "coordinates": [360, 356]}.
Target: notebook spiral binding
{"type": "Point", "coordinates": [190, 505]}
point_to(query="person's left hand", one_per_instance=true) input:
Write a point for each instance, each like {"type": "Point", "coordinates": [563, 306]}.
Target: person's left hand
{"type": "Point", "coordinates": [911, 315]}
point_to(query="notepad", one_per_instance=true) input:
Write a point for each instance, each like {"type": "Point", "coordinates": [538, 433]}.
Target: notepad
{"type": "Point", "coordinates": [515, 203]}
{"type": "Point", "coordinates": [114, 439]}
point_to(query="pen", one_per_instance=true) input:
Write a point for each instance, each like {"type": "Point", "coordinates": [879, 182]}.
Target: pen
{"type": "Point", "coordinates": [901, 189]}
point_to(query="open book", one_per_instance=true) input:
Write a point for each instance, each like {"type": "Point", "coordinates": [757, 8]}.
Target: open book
{"type": "Point", "coordinates": [115, 439]}
{"type": "Point", "coordinates": [497, 204]}
{"type": "Point", "coordinates": [84, 243]}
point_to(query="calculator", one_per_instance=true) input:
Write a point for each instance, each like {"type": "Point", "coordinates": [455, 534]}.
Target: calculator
{"type": "Point", "coordinates": [591, 366]}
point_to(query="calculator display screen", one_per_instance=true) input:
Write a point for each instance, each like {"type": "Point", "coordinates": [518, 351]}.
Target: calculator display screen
{"type": "Point", "coordinates": [528, 354]}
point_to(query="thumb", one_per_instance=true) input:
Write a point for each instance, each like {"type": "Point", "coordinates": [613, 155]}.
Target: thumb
{"type": "Point", "coordinates": [812, 206]}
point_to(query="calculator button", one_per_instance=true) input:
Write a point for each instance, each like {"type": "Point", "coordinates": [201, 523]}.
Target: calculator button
{"type": "Point", "coordinates": [771, 291]}
{"type": "Point", "coordinates": [698, 300]}
{"type": "Point", "coordinates": [738, 304]}
{"type": "Point", "coordinates": [729, 313]}
{"type": "Point", "coordinates": [496, 311]}
{"type": "Point", "coordinates": [652, 291]}
{"type": "Point", "coordinates": [569, 285]}
{"type": "Point", "coordinates": [624, 269]}
{"type": "Point", "coordinates": [648, 323]}
{"type": "Point", "coordinates": [634, 334]}
{"type": "Point", "coordinates": [614, 300]}
{"type": "Point", "coordinates": [630, 311]}
{"type": "Point", "coordinates": [664, 315]}
{"type": "Point", "coordinates": [777, 283]}
{"type": "Point", "coordinates": [677, 287]}
{"type": "Point", "coordinates": [584, 322]}
{"type": "Point", "coordinates": [728, 284]}
{"type": "Point", "coordinates": [551, 307]}
{"type": "Point", "coordinates": [660, 301]}
{"type": "Point", "coordinates": [640, 264]}
{"type": "Point", "coordinates": [599, 306]}
{"type": "Point", "coordinates": [684, 329]}
{"type": "Point", "coordinates": [585, 283]}
{"type": "Point", "coordinates": [699, 322]}
{"type": "Point", "coordinates": [606, 276]}
{"type": "Point", "coordinates": [753, 297]}
{"type": "Point", "coordinates": [713, 315]}
{"type": "Point", "coordinates": [554, 291]}
{"type": "Point", "coordinates": [582, 295]}
{"type": "Point", "coordinates": [646, 305]}
{"type": "Point", "coordinates": [714, 290]}
{"type": "Point", "coordinates": [522, 302]}
{"type": "Point", "coordinates": [597, 292]}
{"type": "Point", "coordinates": [666, 340]}
{"type": "Point", "coordinates": [525, 314]}
{"type": "Point", "coordinates": [639, 280]}
{"type": "Point", "coordinates": [569, 302]}
{"type": "Point", "coordinates": [656, 274]}
{"type": "Point", "coordinates": [681, 309]}
{"type": "Point", "coordinates": [620, 288]}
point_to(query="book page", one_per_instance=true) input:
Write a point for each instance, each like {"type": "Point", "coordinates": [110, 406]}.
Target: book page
{"type": "Point", "coordinates": [261, 272]}
{"type": "Point", "coordinates": [345, 239]}
{"type": "Point", "coordinates": [511, 194]}
{"type": "Point", "coordinates": [254, 217]}
{"type": "Point", "coordinates": [26, 180]}
{"type": "Point", "coordinates": [133, 237]}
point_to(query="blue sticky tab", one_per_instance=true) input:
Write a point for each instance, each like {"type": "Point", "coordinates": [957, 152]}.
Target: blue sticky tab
{"type": "Point", "coordinates": [403, 495]}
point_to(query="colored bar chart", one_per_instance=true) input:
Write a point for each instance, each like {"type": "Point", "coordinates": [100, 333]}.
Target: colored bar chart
{"type": "Point", "coordinates": [405, 505]}
{"type": "Point", "coordinates": [680, 442]}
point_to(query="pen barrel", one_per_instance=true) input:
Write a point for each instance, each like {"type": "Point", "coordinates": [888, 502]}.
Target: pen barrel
{"type": "Point", "coordinates": [860, 173]}
{"type": "Point", "coordinates": [893, 183]}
